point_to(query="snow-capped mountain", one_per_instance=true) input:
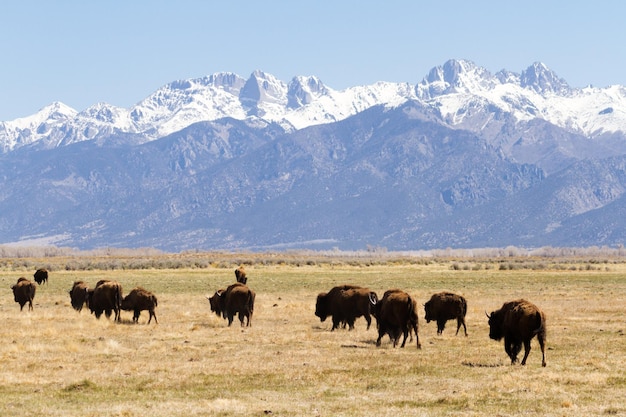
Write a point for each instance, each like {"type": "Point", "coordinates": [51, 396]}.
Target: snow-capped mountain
{"type": "Point", "coordinates": [457, 91]}
{"type": "Point", "coordinates": [462, 158]}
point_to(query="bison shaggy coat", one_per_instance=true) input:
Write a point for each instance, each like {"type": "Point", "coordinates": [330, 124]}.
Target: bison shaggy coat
{"type": "Point", "coordinates": [24, 292]}
{"type": "Point", "coordinates": [396, 313]}
{"type": "Point", "coordinates": [79, 295]}
{"type": "Point", "coordinates": [446, 306]}
{"type": "Point", "coordinates": [107, 298]}
{"type": "Point", "coordinates": [518, 322]}
{"type": "Point", "coordinates": [41, 276]}
{"type": "Point", "coordinates": [235, 299]}
{"type": "Point", "coordinates": [139, 299]}
{"type": "Point", "coordinates": [343, 305]}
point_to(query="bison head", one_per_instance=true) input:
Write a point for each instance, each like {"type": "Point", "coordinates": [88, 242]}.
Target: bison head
{"type": "Point", "coordinates": [496, 321]}
{"type": "Point", "coordinates": [321, 306]}
{"type": "Point", "coordinates": [216, 303]}
{"type": "Point", "coordinates": [428, 314]}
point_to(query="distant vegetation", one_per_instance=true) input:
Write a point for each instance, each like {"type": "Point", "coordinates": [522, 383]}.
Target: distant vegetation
{"type": "Point", "coordinates": [509, 258]}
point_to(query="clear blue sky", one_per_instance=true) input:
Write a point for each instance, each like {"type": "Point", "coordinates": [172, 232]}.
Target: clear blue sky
{"type": "Point", "coordinates": [81, 52]}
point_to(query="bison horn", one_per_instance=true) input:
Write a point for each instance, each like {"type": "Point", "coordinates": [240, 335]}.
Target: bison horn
{"type": "Point", "coordinates": [373, 299]}
{"type": "Point", "coordinates": [488, 315]}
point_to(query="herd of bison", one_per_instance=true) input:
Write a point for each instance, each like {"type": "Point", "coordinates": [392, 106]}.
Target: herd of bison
{"type": "Point", "coordinates": [517, 322]}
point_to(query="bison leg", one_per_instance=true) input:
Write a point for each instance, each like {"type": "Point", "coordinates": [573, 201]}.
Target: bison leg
{"type": "Point", "coordinates": [541, 337]}
{"type": "Point", "coordinates": [337, 322]}
{"type": "Point", "coordinates": [512, 348]}
{"type": "Point", "coordinates": [381, 332]}
{"type": "Point", "coordinates": [350, 322]}
{"type": "Point", "coordinates": [441, 324]}
{"type": "Point", "coordinates": [152, 314]}
{"type": "Point", "coordinates": [136, 314]}
{"type": "Point", "coordinates": [459, 322]}
{"type": "Point", "coordinates": [406, 335]}
{"type": "Point", "coordinates": [414, 327]}
{"type": "Point", "coordinates": [30, 305]}
{"type": "Point", "coordinates": [526, 351]}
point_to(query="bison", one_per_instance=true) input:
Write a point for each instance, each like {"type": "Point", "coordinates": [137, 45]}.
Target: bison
{"type": "Point", "coordinates": [235, 299]}
{"type": "Point", "coordinates": [344, 304]}
{"type": "Point", "coordinates": [396, 313]}
{"type": "Point", "coordinates": [107, 298]}
{"type": "Point", "coordinates": [518, 322]}
{"type": "Point", "coordinates": [240, 275]}
{"type": "Point", "coordinates": [79, 295]}
{"type": "Point", "coordinates": [446, 306]}
{"type": "Point", "coordinates": [41, 276]}
{"type": "Point", "coordinates": [139, 299]}
{"type": "Point", "coordinates": [24, 292]}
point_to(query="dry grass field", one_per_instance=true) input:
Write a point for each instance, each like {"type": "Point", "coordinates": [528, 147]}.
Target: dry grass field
{"type": "Point", "coordinates": [55, 361]}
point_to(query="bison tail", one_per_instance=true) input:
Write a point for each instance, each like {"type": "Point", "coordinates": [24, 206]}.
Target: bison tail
{"type": "Point", "coordinates": [463, 306]}
{"type": "Point", "coordinates": [250, 303]}
{"type": "Point", "coordinates": [118, 297]}
{"type": "Point", "coordinates": [540, 324]}
{"type": "Point", "coordinates": [154, 300]}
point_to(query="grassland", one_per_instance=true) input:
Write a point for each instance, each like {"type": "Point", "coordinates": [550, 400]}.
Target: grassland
{"type": "Point", "coordinates": [55, 361]}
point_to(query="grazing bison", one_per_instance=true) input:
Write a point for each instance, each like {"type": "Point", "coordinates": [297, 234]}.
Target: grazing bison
{"type": "Point", "coordinates": [235, 299]}
{"type": "Point", "coordinates": [24, 292]}
{"type": "Point", "coordinates": [79, 295]}
{"type": "Point", "coordinates": [446, 306]}
{"type": "Point", "coordinates": [345, 303]}
{"type": "Point", "coordinates": [396, 313]}
{"type": "Point", "coordinates": [518, 322]}
{"type": "Point", "coordinates": [240, 275]}
{"type": "Point", "coordinates": [139, 299]}
{"type": "Point", "coordinates": [107, 298]}
{"type": "Point", "coordinates": [356, 302]}
{"type": "Point", "coordinates": [41, 276]}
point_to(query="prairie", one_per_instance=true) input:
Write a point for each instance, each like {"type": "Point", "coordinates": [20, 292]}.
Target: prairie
{"type": "Point", "coordinates": [55, 361]}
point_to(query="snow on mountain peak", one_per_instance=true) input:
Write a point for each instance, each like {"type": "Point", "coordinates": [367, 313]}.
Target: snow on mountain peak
{"type": "Point", "coordinates": [263, 87]}
{"type": "Point", "coordinates": [29, 129]}
{"type": "Point", "coordinates": [540, 78]}
{"type": "Point", "coordinates": [304, 90]}
{"type": "Point", "coordinates": [455, 76]}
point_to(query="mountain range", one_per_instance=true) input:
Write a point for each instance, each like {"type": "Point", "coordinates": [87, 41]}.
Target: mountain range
{"type": "Point", "coordinates": [463, 158]}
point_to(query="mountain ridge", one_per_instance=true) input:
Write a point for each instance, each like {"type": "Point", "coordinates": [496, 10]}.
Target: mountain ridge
{"type": "Point", "coordinates": [452, 88]}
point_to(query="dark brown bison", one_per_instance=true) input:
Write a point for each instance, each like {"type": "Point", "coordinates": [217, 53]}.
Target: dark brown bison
{"type": "Point", "coordinates": [344, 304]}
{"type": "Point", "coordinates": [357, 302]}
{"type": "Point", "coordinates": [107, 298]}
{"type": "Point", "coordinates": [518, 322]}
{"type": "Point", "coordinates": [396, 313]}
{"type": "Point", "coordinates": [240, 275]}
{"type": "Point", "coordinates": [41, 276]}
{"type": "Point", "coordinates": [24, 292]}
{"type": "Point", "coordinates": [79, 295]}
{"type": "Point", "coordinates": [446, 306]}
{"type": "Point", "coordinates": [235, 299]}
{"type": "Point", "coordinates": [139, 299]}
